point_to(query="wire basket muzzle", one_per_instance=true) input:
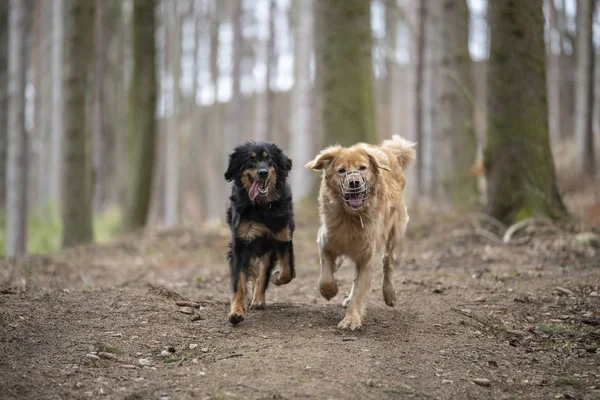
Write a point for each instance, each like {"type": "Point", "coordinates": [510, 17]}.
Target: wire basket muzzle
{"type": "Point", "coordinates": [354, 188]}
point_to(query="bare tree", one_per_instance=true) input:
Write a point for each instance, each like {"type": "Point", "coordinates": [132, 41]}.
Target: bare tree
{"type": "Point", "coordinates": [300, 121]}
{"type": "Point", "coordinates": [171, 192]}
{"type": "Point", "coordinates": [142, 122]}
{"type": "Point", "coordinates": [554, 76]}
{"type": "Point", "coordinates": [16, 176]}
{"type": "Point", "coordinates": [265, 56]}
{"type": "Point", "coordinates": [343, 48]}
{"type": "Point", "coordinates": [3, 99]}
{"type": "Point", "coordinates": [99, 132]}
{"type": "Point", "coordinates": [57, 99]}
{"type": "Point", "coordinates": [418, 72]}
{"type": "Point", "coordinates": [455, 134]}
{"type": "Point", "coordinates": [77, 163]}
{"type": "Point", "coordinates": [520, 173]}
{"type": "Point", "coordinates": [584, 99]}
{"type": "Point", "coordinates": [235, 108]}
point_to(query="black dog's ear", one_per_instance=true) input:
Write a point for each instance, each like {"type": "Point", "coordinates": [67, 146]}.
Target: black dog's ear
{"type": "Point", "coordinates": [236, 162]}
{"type": "Point", "coordinates": [283, 162]}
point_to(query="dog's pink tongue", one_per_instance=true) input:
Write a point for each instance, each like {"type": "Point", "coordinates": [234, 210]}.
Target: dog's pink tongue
{"type": "Point", "coordinates": [253, 191]}
{"type": "Point", "coordinates": [355, 202]}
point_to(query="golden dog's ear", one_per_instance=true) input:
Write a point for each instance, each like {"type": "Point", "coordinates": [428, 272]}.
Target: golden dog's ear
{"type": "Point", "coordinates": [324, 158]}
{"type": "Point", "coordinates": [378, 158]}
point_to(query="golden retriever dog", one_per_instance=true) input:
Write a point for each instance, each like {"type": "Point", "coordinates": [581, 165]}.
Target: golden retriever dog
{"type": "Point", "coordinates": [362, 217]}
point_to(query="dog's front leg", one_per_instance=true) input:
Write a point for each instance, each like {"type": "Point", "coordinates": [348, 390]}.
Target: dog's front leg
{"type": "Point", "coordinates": [360, 293]}
{"type": "Point", "coordinates": [286, 260]}
{"type": "Point", "coordinates": [238, 268]}
{"type": "Point", "coordinates": [327, 284]}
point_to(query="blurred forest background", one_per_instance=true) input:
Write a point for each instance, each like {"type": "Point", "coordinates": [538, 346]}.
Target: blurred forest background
{"type": "Point", "coordinates": [120, 114]}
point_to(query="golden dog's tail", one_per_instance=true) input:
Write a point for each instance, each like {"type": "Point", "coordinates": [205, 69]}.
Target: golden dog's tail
{"type": "Point", "coordinates": [403, 149]}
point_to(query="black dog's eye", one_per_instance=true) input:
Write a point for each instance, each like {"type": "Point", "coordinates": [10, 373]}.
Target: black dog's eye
{"type": "Point", "coordinates": [341, 171]}
{"type": "Point", "coordinates": [363, 167]}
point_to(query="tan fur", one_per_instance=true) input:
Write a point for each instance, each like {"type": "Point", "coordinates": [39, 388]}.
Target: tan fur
{"type": "Point", "coordinates": [284, 235]}
{"type": "Point", "coordinates": [251, 230]}
{"type": "Point", "coordinates": [258, 273]}
{"type": "Point", "coordinates": [384, 218]}
{"type": "Point", "coordinates": [238, 303]}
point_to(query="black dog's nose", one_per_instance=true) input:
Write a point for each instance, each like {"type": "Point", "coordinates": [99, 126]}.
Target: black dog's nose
{"type": "Point", "coordinates": [263, 173]}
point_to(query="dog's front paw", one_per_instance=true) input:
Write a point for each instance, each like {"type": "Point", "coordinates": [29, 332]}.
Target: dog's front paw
{"type": "Point", "coordinates": [257, 306]}
{"type": "Point", "coordinates": [328, 289]}
{"type": "Point", "coordinates": [279, 279]}
{"type": "Point", "coordinates": [350, 322]}
{"type": "Point", "coordinates": [235, 318]}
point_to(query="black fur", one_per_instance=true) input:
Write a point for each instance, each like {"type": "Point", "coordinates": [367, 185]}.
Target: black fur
{"type": "Point", "coordinates": [275, 215]}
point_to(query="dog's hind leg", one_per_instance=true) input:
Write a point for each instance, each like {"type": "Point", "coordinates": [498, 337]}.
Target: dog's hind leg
{"type": "Point", "coordinates": [388, 289]}
{"type": "Point", "coordinates": [327, 284]}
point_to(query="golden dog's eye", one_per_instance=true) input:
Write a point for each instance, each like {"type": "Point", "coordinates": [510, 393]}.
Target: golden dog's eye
{"type": "Point", "coordinates": [341, 171]}
{"type": "Point", "coordinates": [363, 167]}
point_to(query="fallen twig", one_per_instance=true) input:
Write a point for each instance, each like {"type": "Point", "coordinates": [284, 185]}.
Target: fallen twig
{"type": "Point", "coordinates": [232, 355]}
{"type": "Point", "coordinates": [187, 304]}
{"type": "Point", "coordinates": [490, 220]}
{"type": "Point", "coordinates": [485, 323]}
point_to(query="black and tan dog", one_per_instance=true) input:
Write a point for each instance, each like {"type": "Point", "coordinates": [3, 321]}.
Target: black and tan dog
{"type": "Point", "coordinates": [261, 219]}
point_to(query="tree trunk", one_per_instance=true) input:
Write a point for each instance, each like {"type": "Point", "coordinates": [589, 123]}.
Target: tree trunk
{"type": "Point", "coordinates": [99, 132]}
{"type": "Point", "coordinates": [456, 142]}
{"type": "Point", "coordinates": [419, 51]}
{"type": "Point", "coordinates": [302, 136]}
{"type": "Point", "coordinates": [16, 176]}
{"type": "Point", "coordinates": [344, 47]}
{"type": "Point", "coordinates": [555, 71]}
{"type": "Point", "coordinates": [520, 173]}
{"type": "Point", "coordinates": [171, 192]}
{"type": "Point", "coordinates": [584, 99]}
{"type": "Point", "coordinates": [265, 56]}
{"type": "Point", "coordinates": [235, 108]}
{"type": "Point", "coordinates": [77, 163]}
{"type": "Point", "coordinates": [57, 100]}
{"type": "Point", "coordinates": [3, 100]}
{"type": "Point", "coordinates": [215, 162]}
{"type": "Point", "coordinates": [43, 111]}
{"type": "Point", "coordinates": [142, 122]}
{"type": "Point", "coordinates": [392, 17]}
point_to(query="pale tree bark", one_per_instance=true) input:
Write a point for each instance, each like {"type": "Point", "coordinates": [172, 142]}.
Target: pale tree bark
{"type": "Point", "coordinates": [521, 178]}
{"type": "Point", "coordinates": [455, 140]}
{"type": "Point", "coordinates": [3, 99]}
{"type": "Point", "coordinates": [171, 193]}
{"type": "Point", "coordinates": [418, 88]}
{"type": "Point", "coordinates": [142, 121]}
{"type": "Point", "coordinates": [17, 154]}
{"type": "Point", "coordinates": [300, 122]}
{"type": "Point", "coordinates": [343, 45]}
{"type": "Point", "coordinates": [584, 99]}
{"type": "Point", "coordinates": [214, 162]}
{"type": "Point", "coordinates": [57, 100]}
{"type": "Point", "coordinates": [100, 138]}
{"type": "Point", "coordinates": [392, 18]}
{"type": "Point", "coordinates": [235, 108]}
{"type": "Point", "coordinates": [43, 111]}
{"type": "Point", "coordinates": [265, 55]}
{"type": "Point", "coordinates": [431, 65]}
{"type": "Point", "coordinates": [194, 10]}
{"type": "Point", "coordinates": [77, 163]}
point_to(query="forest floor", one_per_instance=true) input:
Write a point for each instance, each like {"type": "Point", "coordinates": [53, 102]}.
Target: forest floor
{"type": "Point", "coordinates": [475, 319]}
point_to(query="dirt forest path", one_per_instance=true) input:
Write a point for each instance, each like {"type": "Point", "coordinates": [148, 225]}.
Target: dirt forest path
{"type": "Point", "coordinates": [474, 320]}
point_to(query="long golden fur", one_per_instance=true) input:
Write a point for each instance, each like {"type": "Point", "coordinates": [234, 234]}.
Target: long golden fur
{"type": "Point", "coordinates": [368, 235]}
